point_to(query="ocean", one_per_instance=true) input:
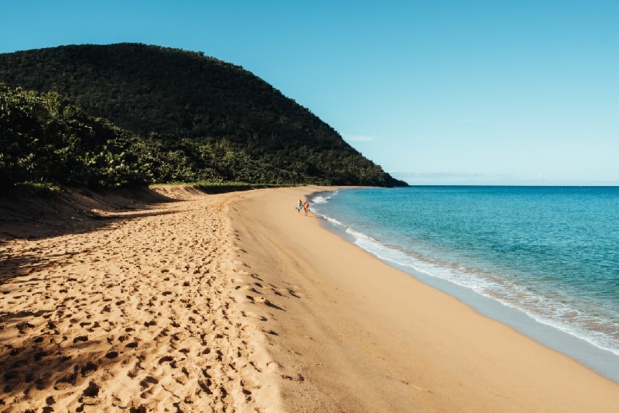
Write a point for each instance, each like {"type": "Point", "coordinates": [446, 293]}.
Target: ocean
{"type": "Point", "coordinates": [544, 260]}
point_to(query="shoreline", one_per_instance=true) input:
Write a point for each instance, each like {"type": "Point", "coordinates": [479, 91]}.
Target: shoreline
{"type": "Point", "coordinates": [597, 359]}
{"type": "Point", "coordinates": [393, 342]}
{"type": "Point", "coordinates": [168, 299]}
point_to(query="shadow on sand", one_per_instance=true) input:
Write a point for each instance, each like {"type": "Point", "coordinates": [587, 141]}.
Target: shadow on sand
{"type": "Point", "coordinates": [27, 214]}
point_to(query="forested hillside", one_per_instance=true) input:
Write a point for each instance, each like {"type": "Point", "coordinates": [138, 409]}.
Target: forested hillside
{"type": "Point", "coordinates": [204, 118]}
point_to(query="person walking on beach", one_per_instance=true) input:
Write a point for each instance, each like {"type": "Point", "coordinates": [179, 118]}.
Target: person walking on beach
{"type": "Point", "coordinates": [306, 207]}
{"type": "Point", "coordinates": [299, 206]}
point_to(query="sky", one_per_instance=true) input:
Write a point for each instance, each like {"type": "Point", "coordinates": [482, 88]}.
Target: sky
{"type": "Point", "coordinates": [436, 92]}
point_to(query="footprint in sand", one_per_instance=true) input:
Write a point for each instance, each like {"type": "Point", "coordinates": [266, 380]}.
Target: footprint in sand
{"type": "Point", "coordinates": [253, 315]}
{"type": "Point", "coordinates": [80, 339]}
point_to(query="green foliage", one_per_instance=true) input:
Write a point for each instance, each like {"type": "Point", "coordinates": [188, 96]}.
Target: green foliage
{"type": "Point", "coordinates": [45, 139]}
{"type": "Point", "coordinates": [199, 119]}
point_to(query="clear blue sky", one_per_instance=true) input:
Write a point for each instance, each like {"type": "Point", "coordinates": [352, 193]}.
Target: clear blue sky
{"type": "Point", "coordinates": [445, 92]}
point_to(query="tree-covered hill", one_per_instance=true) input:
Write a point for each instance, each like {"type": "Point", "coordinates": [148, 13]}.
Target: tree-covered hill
{"type": "Point", "coordinates": [211, 119]}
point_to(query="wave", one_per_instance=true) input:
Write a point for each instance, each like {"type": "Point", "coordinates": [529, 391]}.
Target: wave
{"type": "Point", "coordinates": [322, 197]}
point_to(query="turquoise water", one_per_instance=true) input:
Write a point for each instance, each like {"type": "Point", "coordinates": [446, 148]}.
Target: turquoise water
{"type": "Point", "coordinates": [551, 253]}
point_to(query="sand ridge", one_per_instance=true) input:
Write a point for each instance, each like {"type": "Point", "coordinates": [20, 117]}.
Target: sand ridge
{"type": "Point", "coordinates": [138, 315]}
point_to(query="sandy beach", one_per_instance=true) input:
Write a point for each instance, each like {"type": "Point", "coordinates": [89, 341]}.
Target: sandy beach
{"type": "Point", "coordinates": [238, 303]}
{"type": "Point", "coordinates": [126, 307]}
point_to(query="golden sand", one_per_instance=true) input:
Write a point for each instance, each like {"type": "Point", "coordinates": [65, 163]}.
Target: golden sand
{"type": "Point", "coordinates": [238, 303]}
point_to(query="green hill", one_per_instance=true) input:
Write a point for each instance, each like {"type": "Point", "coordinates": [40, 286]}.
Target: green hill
{"type": "Point", "coordinates": [203, 118]}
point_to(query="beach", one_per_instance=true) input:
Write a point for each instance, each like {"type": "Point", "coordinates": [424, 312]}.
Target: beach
{"type": "Point", "coordinates": [240, 303]}
{"type": "Point", "coordinates": [113, 304]}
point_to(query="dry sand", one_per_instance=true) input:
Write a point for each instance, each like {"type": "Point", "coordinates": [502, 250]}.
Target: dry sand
{"type": "Point", "coordinates": [133, 311]}
{"type": "Point", "coordinates": [238, 303]}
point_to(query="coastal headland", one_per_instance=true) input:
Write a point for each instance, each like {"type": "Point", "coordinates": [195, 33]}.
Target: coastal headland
{"type": "Point", "coordinates": [182, 301]}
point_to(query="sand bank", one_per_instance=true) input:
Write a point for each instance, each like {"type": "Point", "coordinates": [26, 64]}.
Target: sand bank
{"type": "Point", "coordinates": [237, 303]}
{"type": "Point", "coordinates": [350, 333]}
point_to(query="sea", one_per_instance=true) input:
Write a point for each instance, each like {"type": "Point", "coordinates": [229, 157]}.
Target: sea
{"type": "Point", "coordinates": [544, 260]}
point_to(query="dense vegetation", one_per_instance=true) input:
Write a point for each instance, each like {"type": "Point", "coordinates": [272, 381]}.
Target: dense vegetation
{"type": "Point", "coordinates": [44, 139]}
{"type": "Point", "coordinates": [185, 117]}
